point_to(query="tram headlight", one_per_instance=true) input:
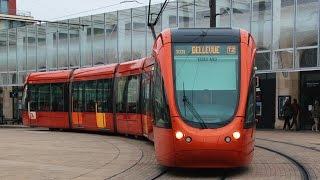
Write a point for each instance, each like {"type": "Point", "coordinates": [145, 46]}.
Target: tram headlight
{"type": "Point", "coordinates": [179, 135]}
{"type": "Point", "coordinates": [236, 135]}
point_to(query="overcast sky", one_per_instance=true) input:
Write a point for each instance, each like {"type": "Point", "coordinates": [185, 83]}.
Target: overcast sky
{"type": "Point", "coordinates": [65, 9]}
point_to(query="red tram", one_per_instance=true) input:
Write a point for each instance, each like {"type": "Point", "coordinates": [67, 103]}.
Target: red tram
{"type": "Point", "coordinates": [194, 97]}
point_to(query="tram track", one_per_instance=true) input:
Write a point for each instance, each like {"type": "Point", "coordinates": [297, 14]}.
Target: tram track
{"type": "Point", "coordinates": [302, 169]}
{"type": "Point", "coordinates": [292, 144]}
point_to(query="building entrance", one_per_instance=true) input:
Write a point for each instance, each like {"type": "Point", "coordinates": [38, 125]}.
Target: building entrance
{"type": "Point", "coordinates": [265, 107]}
{"type": "Point", "coordinates": [309, 92]}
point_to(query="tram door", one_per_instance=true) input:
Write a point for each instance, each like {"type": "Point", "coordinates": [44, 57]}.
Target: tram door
{"type": "Point", "coordinates": [77, 104]}
{"type": "Point", "coordinates": [146, 111]}
{"type": "Point", "coordinates": [128, 116]}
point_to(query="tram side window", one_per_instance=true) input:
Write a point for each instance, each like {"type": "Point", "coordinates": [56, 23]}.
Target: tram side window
{"type": "Point", "coordinates": [33, 97]}
{"type": "Point", "coordinates": [250, 112]}
{"type": "Point", "coordinates": [58, 99]}
{"type": "Point", "coordinates": [44, 97]}
{"type": "Point", "coordinates": [104, 95]}
{"type": "Point", "coordinates": [146, 98]}
{"type": "Point", "coordinates": [121, 92]}
{"type": "Point", "coordinates": [78, 96]}
{"type": "Point", "coordinates": [133, 94]}
{"type": "Point", "coordinates": [161, 111]}
{"type": "Point", "coordinates": [90, 95]}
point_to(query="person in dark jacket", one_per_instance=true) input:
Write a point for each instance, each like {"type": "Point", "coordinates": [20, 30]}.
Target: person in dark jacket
{"type": "Point", "coordinates": [287, 113]}
{"type": "Point", "coordinates": [316, 115]}
{"type": "Point", "coordinates": [296, 110]}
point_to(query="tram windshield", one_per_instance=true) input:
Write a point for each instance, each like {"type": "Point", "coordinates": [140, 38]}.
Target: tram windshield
{"type": "Point", "coordinates": [206, 82]}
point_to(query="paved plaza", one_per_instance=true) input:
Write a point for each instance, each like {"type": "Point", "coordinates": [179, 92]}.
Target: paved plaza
{"type": "Point", "coordinates": [41, 154]}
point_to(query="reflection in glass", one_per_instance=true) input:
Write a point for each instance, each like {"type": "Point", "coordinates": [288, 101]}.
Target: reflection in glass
{"type": "Point", "coordinates": [21, 49]}
{"type": "Point", "coordinates": [63, 44]}
{"type": "Point", "coordinates": [202, 14]}
{"type": "Point", "coordinates": [86, 41]}
{"type": "Point", "coordinates": [3, 78]}
{"type": "Point", "coordinates": [98, 39]}
{"type": "Point", "coordinates": [306, 25]}
{"type": "Point", "coordinates": [111, 37]}
{"type": "Point", "coordinates": [3, 51]}
{"type": "Point", "coordinates": [74, 42]}
{"type": "Point", "coordinates": [41, 51]}
{"type": "Point", "coordinates": [154, 9]}
{"type": "Point", "coordinates": [261, 23]}
{"type": "Point", "coordinates": [22, 77]}
{"type": "Point", "coordinates": [52, 45]}
{"type": "Point", "coordinates": [125, 35]}
{"type": "Point", "coordinates": [169, 16]}
{"type": "Point", "coordinates": [283, 22]}
{"type": "Point", "coordinates": [241, 12]}
{"type": "Point", "coordinates": [307, 57]}
{"type": "Point", "coordinates": [186, 13]}
{"type": "Point", "coordinates": [223, 9]}
{"type": "Point", "coordinates": [12, 56]}
{"type": "Point", "coordinates": [139, 32]}
{"type": "Point", "coordinates": [283, 59]}
{"type": "Point", "coordinates": [31, 61]}
{"type": "Point", "coordinates": [12, 78]}
{"type": "Point", "coordinates": [263, 61]}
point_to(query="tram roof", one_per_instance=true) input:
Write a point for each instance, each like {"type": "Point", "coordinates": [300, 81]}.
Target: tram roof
{"type": "Point", "coordinates": [60, 76]}
{"type": "Point", "coordinates": [130, 67]}
{"type": "Point", "coordinates": [93, 73]}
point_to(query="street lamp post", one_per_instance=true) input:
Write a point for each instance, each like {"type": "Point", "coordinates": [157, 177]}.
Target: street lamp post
{"type": "Point", "coordinates": [213, 15]}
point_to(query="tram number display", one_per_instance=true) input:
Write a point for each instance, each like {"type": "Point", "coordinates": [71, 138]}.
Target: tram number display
{"type": "Point", "coordinates": [205, 50]}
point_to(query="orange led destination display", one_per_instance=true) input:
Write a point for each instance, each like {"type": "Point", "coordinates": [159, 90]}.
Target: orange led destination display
{"type": "Point", "coordinates": [207, 49]}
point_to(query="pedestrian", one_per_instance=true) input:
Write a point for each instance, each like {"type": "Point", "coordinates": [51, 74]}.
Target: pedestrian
{"type": "Point", "coordinates": [315, 115]}
{"type": "Point", "coordinates": [296, 111]}
{"type": "Point", "coordinates": [287, 113]}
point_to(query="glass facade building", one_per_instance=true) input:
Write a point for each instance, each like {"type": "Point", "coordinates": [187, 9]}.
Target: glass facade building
{"type": "Point", "coordinates": [286, 33]}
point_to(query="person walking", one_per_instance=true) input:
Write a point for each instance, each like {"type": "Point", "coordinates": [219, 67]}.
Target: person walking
{"type": "Point", "coordinates": [315, 115]}
{"type": "Point", "coordinates": [287, 113]}
{"type": "Point", "coordinates": [296, 111]}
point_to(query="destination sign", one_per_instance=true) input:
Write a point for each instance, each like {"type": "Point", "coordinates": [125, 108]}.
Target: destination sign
{"type": "Point", "coordinates": [206, 49]}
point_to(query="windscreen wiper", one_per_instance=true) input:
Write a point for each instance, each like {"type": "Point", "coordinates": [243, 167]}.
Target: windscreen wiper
{"type": "Point", "coordinates": [193, 111]}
